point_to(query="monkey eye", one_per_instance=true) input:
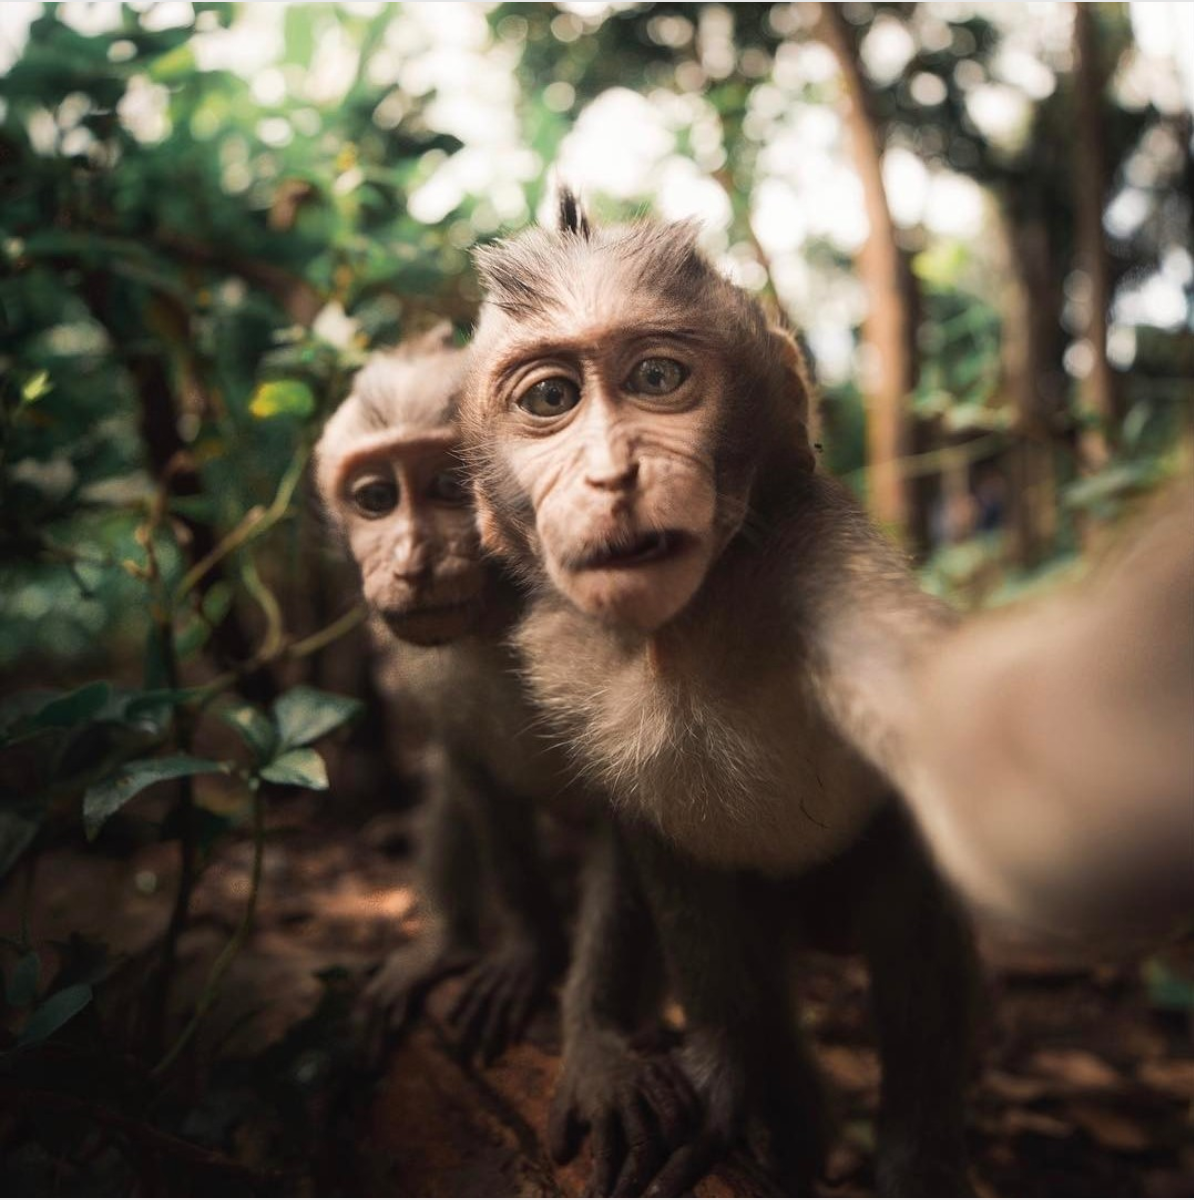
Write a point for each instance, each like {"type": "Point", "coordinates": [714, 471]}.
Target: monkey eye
{"type": "Point", "coordinates": [550, 397]}
{"type": "Point", "coordinates": [657, 376]}
{"type": "Point", "coordinates": [375, 497]}
{"type": "Point", "coordinates": [450, 487]}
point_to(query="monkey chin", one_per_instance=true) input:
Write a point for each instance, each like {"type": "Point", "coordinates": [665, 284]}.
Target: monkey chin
{"type": "Point", "coordinates": [641, 596]}
{"type": "Point", "coordinates": [433, 626]}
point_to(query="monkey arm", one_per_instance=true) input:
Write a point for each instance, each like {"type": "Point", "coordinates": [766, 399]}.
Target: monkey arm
{"type": "Point", "coordinates": [511, 982]}
{"type": "Point", "coordinates": [639, 1109]}
{"type": "Point", "coordinates": [1052, 750]}
{"type": "Point", "coordinates": [726, 954]}
{"type": "Point", "coordinates": [450, 887]}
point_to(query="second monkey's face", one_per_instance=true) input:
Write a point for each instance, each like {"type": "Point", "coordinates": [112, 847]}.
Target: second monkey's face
{"type": "Point", "coordinates": [408, 515]}
{"type": "Point", "coordinates": [609, 438]}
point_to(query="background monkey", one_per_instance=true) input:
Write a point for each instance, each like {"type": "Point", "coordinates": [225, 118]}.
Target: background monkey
{"type": "Point", "coordinates": [727, 643]}
{"type": "Point", "coordinates": [388, 475]}
{"type": "Point", "coordinates": [394, 490]}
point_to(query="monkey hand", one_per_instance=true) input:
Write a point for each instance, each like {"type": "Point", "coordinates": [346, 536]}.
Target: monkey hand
{"type": "Point", "coordinates": [762, 1103]}
{"type": "Point", "coordinates": [501, 995]}
{"type": "Point", "coordinates": [640, 1110]}
{"type": "Point", "coordinates": [393, 998]}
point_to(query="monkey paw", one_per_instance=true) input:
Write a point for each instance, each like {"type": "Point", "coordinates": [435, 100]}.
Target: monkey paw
{"type": "Point", "coordinates": [501, 995]}
{"type": "Point", "coordinates": [640, 1110]}
{"type": "Point", "coordinates": [394, 996]}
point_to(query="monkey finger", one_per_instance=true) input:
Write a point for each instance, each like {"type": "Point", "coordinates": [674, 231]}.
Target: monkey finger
{"type": "Point", "coordinates": [524, 1006]}
{"type": "Point", "coordinates": [676, 1111]}
{"type": "Point", "coordinates": [495, 1031]}
{"type": "Point", "coordinates": [565, 1129]}
{"type": "Point", "coordinates": [645, 1151]}
{"type": "Point", "coordinates": [609, 1149]}
{"type": "Point", "coordinates": [471, 1023]}
{"type": "Point", "coordinates": [686, 1168]}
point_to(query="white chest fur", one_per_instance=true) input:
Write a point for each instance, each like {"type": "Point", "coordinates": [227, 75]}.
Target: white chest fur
{"type": "Point", "coordinates": [745, 772]}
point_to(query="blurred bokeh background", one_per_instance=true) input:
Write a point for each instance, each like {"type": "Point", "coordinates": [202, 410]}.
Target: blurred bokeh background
{"type": "Point", "coordinates": [978, 216]}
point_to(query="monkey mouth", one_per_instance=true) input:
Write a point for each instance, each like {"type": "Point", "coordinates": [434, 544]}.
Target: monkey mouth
{"type": "Point", "coordinates": [636, 550]}
{"type": "Point", "coordinates": [401, 616]}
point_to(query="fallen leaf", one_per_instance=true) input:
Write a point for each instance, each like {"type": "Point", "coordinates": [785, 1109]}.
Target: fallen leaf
{"type": "Point", "coordinates": [1111, 1129]}
{"type": "Point", "coordinates": [1078, 1068]}
{"type": "Point", "coordinates": [1174, 1077]}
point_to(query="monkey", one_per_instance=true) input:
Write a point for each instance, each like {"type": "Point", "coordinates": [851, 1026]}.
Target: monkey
{"type": "Point", "coordinates": [1052, 748]}
{"type": "Point", "coordinates": [726, 643]}
{"type": "Point", "coordinates": [387, 472]}
{"type": "Point", "coordinates": [395, 493]}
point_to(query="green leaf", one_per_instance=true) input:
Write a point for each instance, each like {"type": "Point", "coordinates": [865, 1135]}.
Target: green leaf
{"type": "Point", "coordinates": [255, 728]}
{"type": "Point", "coordinates": [282, 398]}
{"type": "Point", "coordinates": [54, 1012]}
{"type": "Point", "coordinates": [22, 986]}
{"type": "Point", "coordinates": [35, 387]}
{"type": "Point", "coordinates": [1166, 989]}
{"type": "Point", "coordinates": [75, 708]}
{"type": "Point", "coordinates": [301, 768]}
{"type": "Point", "coordinates": [110, 795]}
{"type": "Point", "coordinates": [305, 713]}
{"type": "Point", "coordinates": [17, 830]}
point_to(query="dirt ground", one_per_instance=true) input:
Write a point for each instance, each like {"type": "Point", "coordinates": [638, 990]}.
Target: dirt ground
{"type": "Point", "coordinates": [1087, 1086]}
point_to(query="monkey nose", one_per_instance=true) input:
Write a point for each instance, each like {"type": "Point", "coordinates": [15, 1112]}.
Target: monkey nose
{"type": "Point", "coordinates": [411, 563]}
{"type": "Point", "coordinates": [612, 476]}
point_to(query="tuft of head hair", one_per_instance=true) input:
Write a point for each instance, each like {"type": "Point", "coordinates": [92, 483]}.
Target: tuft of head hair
{"type": "Point", "coordinates": [538, 271]}
{"type": "Point", "coordinates": [572, 216]}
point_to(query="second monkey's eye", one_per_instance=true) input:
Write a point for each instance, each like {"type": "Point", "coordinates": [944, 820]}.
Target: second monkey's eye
{"type": "Point", "coordinates": [550, 397]}
{"type": "Point", "coordinates": [657, 376]}
{"type": "Point", "coordinates": [375, 497]}
{"type": "Point", "coordinates": [450, 487]}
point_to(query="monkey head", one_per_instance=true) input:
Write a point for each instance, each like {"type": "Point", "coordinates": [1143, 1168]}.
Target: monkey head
{"type": "Point", "coordinates": [388, 470]}
{"type": "Point", "coordinates": [620, 396]}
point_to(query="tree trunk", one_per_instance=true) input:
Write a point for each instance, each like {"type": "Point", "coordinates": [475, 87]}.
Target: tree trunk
{"type": "Point", "coordinates": [1099, 392]}
{"type": "Point", "coordinates": [890, 328]}
{"type": "Point", "coordinates": [1031, 350]}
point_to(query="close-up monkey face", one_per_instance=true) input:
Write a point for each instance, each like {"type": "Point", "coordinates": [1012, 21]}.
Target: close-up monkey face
{"type": "Point", "coordinates": [609, 437]}
{"type": "Point", "coordinates": [611, 425]}
{"type": "Point", "coordinates": [406, 510]}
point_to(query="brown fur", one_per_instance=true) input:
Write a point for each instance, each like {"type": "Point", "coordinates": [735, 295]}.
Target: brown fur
{"type": "Point", "coordinates": [740, 691]}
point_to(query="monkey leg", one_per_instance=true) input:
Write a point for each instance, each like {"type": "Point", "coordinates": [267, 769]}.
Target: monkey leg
{"type": "Point", "coordinates": [450, 887]}
{"type": "Point", "coordinates": [510, 982]}
{"type": "Point", "coordinates": [638, 1108]}
{"type": "Point", "coordinates": [925, 991]}
{"type": "Point", "coordinates": [727, 956]}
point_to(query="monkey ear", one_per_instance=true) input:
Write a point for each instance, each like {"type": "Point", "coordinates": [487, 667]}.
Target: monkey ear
{"type": "Point", "coordinates": [798, 385]}
{"type": "Point", "coordinates": [572, 217]}
{"type": "Point", "coordinates": [441, 336]}
{"type": "Point", "coordinates": [493, 540]}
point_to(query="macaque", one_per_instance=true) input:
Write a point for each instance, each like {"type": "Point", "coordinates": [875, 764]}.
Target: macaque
{"type": "Point", "coordinates": [1053, 747]}
{"type": "Point", "coordinates": [394, 487]}
{"type": "Point", "coordinates": [726, 643]}
{"type": "Point", "coordinates": [395, 491]}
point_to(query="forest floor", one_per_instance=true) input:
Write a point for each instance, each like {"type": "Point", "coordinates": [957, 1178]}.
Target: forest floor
{"type": "Point", "coordinates": [1086, 1089]}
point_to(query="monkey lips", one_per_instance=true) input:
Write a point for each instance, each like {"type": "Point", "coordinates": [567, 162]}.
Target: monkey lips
{"type": "Point", "coordinates": [639, 578]}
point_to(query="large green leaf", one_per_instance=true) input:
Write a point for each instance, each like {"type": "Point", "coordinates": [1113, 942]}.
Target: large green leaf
{"type": "Point", "coordinates": [111, 794]}
{"type": "Point", "coordinates": [299, 768]}
{"type": "Point", "coordinates": [305, 713]}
